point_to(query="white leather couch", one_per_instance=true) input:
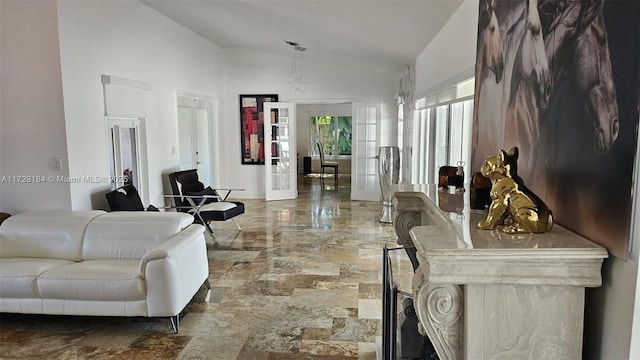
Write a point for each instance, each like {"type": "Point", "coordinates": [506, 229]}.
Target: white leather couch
{"type": "Point", "coordinates": [98, 263]}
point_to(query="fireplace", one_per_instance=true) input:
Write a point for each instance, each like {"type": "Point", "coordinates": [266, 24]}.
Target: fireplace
{"type": "Point", "coordinates": [400, 336]}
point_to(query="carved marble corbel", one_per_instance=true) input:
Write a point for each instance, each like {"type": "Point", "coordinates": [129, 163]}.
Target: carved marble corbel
{"type": "Point", "coordinates": [405, 221]}
{"type": "Point", "coordinates": [439, 308]}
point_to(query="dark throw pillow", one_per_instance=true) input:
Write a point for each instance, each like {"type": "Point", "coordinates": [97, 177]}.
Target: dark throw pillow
{"type": "Point", "coordinates": [207, 191]}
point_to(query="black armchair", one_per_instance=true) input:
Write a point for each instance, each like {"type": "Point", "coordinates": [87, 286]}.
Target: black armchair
{"type": "Point", "coordinates": [126, 198]}
{"type": "Point", "coordinates": [205, 204]}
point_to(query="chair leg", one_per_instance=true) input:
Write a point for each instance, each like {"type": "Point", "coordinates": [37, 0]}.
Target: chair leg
{"type": "Point", "coordinates": [175, 323]}
{"type": "Point", "coordinates": [210, 230]}
{"type": "Point", "coordinates": [207, 284]}
{"type": "Point", "coordinates": [238, 226]}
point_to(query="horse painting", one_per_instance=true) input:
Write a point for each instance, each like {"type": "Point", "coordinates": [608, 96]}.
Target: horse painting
{"type": "Point", "coordinates": [594, 80]}
{"type": "Point", "coordinates": [529, 88]}
{"type": "Point", "coordinates": [490, 56]}
{"type": "Point", "coordinates": [538, 41]}
{"type": "Point", "coordinates": [510, 111]}
{"type": "Point", "coordinates": [568, 99]}
{"type": "Point", "coordinates": [490, 50]}
{"type": "Point", "coordinates": [579, 34]}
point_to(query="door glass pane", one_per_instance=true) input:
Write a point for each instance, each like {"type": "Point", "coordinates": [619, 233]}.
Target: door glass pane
{"type": "Point", "coordinates": [362, 147]}
{"type": "Point", "coordinates": [371, 149]}
{"type": "Point", "coordinates": [362, 131]}
{"type": "Point", "coordinates": [283, 115]}
{"type": "Point", "coordinates": [366, 182]}
{"type": "Point", "coordinates": [284, 148]}
{"type": "Point", "coordinates": [371, 115]}
{"type": "Point", "coordinates": [371, 165]}
{"type": "Point", "coordinates": [280, 150]}
{"type": "Point", "coordinates": [361, 168]}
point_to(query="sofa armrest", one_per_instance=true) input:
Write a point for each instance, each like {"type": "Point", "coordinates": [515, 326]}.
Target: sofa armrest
{"type": "Point", "coordinates": [172, 246]}
{"type": "Point", "coordinates": [174, 271]}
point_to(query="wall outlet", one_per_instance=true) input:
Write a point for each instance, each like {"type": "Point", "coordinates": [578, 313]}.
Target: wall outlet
{"type": "Point", "coordinates": [55, 164]}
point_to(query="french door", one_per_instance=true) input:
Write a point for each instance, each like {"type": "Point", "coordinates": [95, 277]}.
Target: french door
{"type": "Point", "coordinates": [280, 154]}
{"type": "Point", "coordinates": [364, 164]}
{"type": "Point", "coordinates": [194, 134]}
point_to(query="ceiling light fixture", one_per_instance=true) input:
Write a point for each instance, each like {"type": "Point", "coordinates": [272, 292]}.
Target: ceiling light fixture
{"type": "Point", "coordinates": [298, 76]}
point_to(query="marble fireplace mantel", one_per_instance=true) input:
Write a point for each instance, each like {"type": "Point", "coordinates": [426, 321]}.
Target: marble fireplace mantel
{"type": "Point", "coordinates": [483, 294]}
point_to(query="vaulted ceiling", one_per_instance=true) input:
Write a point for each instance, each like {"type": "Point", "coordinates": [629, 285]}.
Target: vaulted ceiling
{"type": "Point", "coordinates": [383, 36]}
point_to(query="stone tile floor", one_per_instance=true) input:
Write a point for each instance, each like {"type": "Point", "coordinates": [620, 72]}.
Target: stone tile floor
{"type": "Point", "coordinates": [302, 280]}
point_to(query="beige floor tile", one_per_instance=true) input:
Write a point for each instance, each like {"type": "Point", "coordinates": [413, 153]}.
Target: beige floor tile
{"type": "Point", "coordinates": [302, 280]}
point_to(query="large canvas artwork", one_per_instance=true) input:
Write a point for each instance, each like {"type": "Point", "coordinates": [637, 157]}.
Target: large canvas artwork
{"type": "Point", "coordinates": [252, 127]}
{"type": "Point", "coordinates": [560, 79]}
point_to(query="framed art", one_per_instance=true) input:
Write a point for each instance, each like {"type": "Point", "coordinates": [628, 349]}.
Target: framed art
{"type": "Point", "coordinates": [574, 124]}
{"type": "Point", "coordinates": [252, 127]}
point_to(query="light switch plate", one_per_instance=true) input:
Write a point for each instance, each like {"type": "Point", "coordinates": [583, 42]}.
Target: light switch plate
{"type": "Point", "coordinates": [55, 164]}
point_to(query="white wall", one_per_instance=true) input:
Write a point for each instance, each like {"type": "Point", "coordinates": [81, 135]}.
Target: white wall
{"type": "Point", "coordinates": [32, 127]}
{"type": "Point", "coordinates": [609, 312]}
{"type": "Point", "coordinates": [132, 41]}
{"type": "Point", "coordinates": [450, 57]}
{"type": "Point", "coordinates": [256, 72]}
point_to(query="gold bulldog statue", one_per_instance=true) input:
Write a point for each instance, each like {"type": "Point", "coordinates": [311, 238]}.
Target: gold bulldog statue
{"type": "Point", "coordinates": [512, 203]}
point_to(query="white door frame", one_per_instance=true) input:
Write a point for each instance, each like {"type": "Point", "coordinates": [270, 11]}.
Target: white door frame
{"type": "Point", "coordinates": [139, 124]}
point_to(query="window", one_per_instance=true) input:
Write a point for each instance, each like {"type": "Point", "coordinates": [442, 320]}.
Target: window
{"type": "Point", "coordinates": [333, 131]}
{"type": "Point", "coordinates": [442, 136]}
{"type": "Point", "coordinates": [401, 136]}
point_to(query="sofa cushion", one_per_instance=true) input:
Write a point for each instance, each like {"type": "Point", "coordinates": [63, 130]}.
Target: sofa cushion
{"type": "Point", "coordinates": [129, 235]}
{"type": "Point", "coordinates": [45, 234]}
{"type": "Point", "coordinates": [101, 280]}
{"type": "Point", "coordinates": [218, 206]}
{"type": "Point", "coordinates": [18, 275]}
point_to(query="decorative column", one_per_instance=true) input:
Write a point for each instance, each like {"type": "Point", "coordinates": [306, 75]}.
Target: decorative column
{"type": "Point", "coordinates": [389, 172]}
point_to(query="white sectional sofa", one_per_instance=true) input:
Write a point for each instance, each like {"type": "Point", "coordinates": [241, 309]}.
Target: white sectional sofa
{"type": "Point", "coordinates": [97, 263]}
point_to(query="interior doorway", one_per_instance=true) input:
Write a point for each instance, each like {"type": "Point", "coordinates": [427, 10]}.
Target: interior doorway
{"type": "Point", "coordinates": [195, 135]}
{"type": "Point", "coordinates": [127, 153]}
{"type": "Point", "coordinates": [357, 161]}
{"type": "Point", "coordinates": [330, 124]}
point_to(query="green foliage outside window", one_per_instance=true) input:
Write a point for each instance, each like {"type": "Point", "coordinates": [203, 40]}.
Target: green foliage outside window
{"type": "Point", "coordinates": [344, 135]}
{"type": "Point", "coordinates": [333, 132]}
